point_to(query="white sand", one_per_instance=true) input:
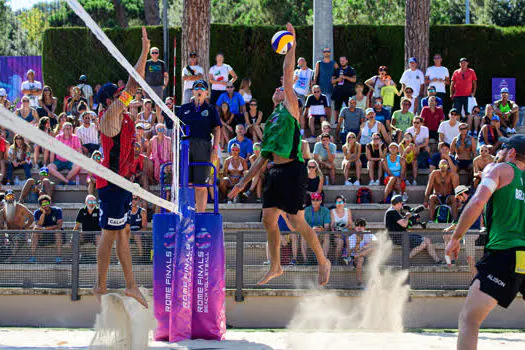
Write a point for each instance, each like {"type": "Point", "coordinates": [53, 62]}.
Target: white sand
{"type": "Point", "coordinates": [41, 338]}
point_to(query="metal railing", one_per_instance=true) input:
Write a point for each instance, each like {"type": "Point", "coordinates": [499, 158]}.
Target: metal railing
{"type": "Point", "coordinates": [245, 261]}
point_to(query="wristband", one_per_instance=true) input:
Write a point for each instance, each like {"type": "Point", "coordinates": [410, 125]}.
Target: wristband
{"type": "Point", "coordinates": [216, 147]}
{"type": "Point", "coordinates": [125, 98]}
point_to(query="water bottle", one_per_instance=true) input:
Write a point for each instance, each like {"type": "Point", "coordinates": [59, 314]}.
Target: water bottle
{"type": "Point", "coordinates": [17, 181]}
{"type": "Point", "coordinates": [326, 180]}
{"type": "Point", "coordinates": [77, 180]}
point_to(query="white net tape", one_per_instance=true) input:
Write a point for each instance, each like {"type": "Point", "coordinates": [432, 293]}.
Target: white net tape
{"type": "Point", "coordinates": [12, 122]}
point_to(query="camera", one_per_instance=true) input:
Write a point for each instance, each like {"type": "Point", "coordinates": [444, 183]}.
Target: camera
{"type": "Point", "coordinates": [415, 218]}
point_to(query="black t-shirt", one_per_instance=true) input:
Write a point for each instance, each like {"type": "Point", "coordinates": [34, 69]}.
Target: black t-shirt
{"type": "Point", "coordinates": [89, 221]}
{"type": "Point", "coordinates": [392, 216]}
{"type": "Point", "coordinates": [344, 86]}
{"type": "Point", "coordinates": [200, 120]}
{"type": "Point", "coordinates": [154, 73]}
{"type": "Point", "coordinates": [311, 101]}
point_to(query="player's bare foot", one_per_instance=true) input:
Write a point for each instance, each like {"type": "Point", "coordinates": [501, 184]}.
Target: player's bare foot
{"type": "Point", "coordinates": [136, 294]}
{"type": "Point", "coordinates": [98, 292]}
{"type": "Point", "coordinates": [324, 273]}
{"type": "Point", "coordinates": [273, 273]}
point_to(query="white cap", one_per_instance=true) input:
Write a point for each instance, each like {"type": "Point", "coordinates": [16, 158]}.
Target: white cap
{"type": "Point", "coordinates": [3, 93]}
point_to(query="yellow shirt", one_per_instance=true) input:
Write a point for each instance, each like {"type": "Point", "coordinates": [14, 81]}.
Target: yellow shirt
{"type": "Point", "coordinates": [388, 93]}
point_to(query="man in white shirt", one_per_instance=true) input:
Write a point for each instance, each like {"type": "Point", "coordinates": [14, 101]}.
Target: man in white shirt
{"type": "Point", "coordinates": [88, 133]}
{"type": "Point", "coordinates": [190, 74]}
{"type": "Point", "coordinates": [450, 128]}
{"type": "Point", "coordinates": [86, 89]}
{"type": "Point", "coordinates": [413, 77]}
{"type": "Point", "coordinates": [420, 134]}
{"type": "Point", "coordinates": [219, 78]}
{"type": "Point", "coordinates": [302, 79]}
{"type": "Point", "coordinates": [438, 76]}
{"type": "Point", "coordinates": [32, 88]}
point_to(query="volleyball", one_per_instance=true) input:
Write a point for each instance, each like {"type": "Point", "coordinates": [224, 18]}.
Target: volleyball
{"type": "Point", "coordinates": [282, 41]}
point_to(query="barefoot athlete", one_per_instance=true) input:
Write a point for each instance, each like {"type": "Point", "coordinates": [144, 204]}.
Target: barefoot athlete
{"type": "Point", "coordinates": [285, 186]}
{"type": "Point", "coordinates": [501, 271]}
{"type": "Point", "coordinates": [117, 138]}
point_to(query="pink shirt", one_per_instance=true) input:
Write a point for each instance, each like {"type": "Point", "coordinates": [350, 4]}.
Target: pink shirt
{"type": "Point", "coordinates": [73, 142]}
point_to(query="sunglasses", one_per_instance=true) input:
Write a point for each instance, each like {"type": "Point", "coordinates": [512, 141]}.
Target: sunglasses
{"type": "Point", "coordinates": [316, 92]}
{"type": "Point", "coordinates": [484, 151]}
{"type": "Point", "coordinates": [463, 129]}
{"type": "Point", "coordinates": [45, 204]}
{"type": "Point", "coordinates": [311, 167]}
{"type": "Point", "coordinates": [351, 137]}
{"type": "Point", "coordinates": [431, 90]}
{"type": "Point", "coordinates": [453, 114]}
{"type": "Point", "coordinates": [229, 87]}
{"type": "Point", "coordinates": [160, 130]}
{"type": "Point", "coordinates": [199, 88]}
{"type": "Point", "coordinates": [92, 202]}
{"type": "Point", "coordinates": [155, 53]}
{"type": "Point", "coordinates": [443, 166]}
{"type": "Point", "coordinates": [253, 104]}
{"type": "Point", "coordinates": [376, 138]}
{"type": "Point", "coordinates": [134, 199]}
{"type": "Point", "coordinates": [43, 173]}
{"type": "Point", "coordinates": [339, 202]}
{"type": "Point", "coordinates": [382, 70]}
{"type": "Point", "coordinates": [409, 90]}
{"type": "Point", "coordinates": [316, 200]}
{"type": "Point", "coordinates": [97, 157]}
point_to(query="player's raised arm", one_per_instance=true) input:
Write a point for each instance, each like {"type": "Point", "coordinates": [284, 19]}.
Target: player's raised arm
{"type": "Point", "coordinates": [290, 98]}
{"type": "Point", "coordinates": [111, 120]}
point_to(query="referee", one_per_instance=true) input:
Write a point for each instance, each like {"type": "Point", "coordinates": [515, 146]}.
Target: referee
{"type": "Point", "coordinates": [202, 120]}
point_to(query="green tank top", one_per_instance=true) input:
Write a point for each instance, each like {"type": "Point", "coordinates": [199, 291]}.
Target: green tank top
{"type": "Point", "coordinates": [505, 214]}
{"type": "Point", "coordinates": [282, 135]}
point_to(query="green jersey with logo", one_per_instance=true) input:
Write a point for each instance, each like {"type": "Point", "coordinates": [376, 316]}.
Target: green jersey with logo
{"type": "Point", "coordinates": [282, 135]}
{"type": "Point", "coordinates": [505, 214]}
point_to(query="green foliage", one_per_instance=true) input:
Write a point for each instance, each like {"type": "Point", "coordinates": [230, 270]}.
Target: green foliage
{"type": "Point", "coordinates": [14, 37]}
{"type": "Point", "coordinates": [506, 13]}
{"type": "Point", "coordinates": [248, 51]}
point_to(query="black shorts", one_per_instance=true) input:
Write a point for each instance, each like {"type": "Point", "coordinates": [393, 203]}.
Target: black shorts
{"type": "Point", "coordinates": [200, 151]}
{"type": "Point", "coordinates": [285, 187]}
{"type": "Point", "coordinates": [115, 203]}
{"type": "Point", "coordinates": [414, 239]}
{"type": "Point", "coordinates": [464, 164]}
{"type": "Point", "coordinates": [498, 277]}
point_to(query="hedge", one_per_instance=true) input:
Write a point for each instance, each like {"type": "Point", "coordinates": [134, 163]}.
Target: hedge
{"type": "Point", "coordinates": [492, 51]}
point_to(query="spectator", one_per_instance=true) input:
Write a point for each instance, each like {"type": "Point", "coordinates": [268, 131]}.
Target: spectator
{"type": "Point", "coordinates": [438, 77]}
{"type": "Point", "coordinates": [324, 155]}
{"type": "Point", "coordinates": [4, 153]}
{"type": "Point", "coordinates": [375, 153]}
{"type": "Point", "coordinates": [431, 91]}
{"type": "Point", "coordinates": [235, 101]}
{"type": "Point", "coordinates": [91, 179]}
{"type": "Point", "coordinates": [303, 79]}
{"type": "Point", "coordinates": [326, 128]}
{"type": "Point", "coordinates": [443, 154]}
{"type": "Point", "coordinates": [507, 111]}
{"type": "Point", "coordinates": [352, 155]}
{"type": "Point", "coordinates": [474, 121]}
{"type": "Point", "coordinates": [414, 100]}
{"type": "Point", "coordinates": [489, 112]}
{"type": "Point", "coordinates": [382, 115]}
{"type": "Point", "coordinates": [315, 182]}
{"type": "Point", "coordinates": [33, 189]}
{"type": "Point", "coordinates": [449, 129]}
{"type": "Point", "coordinates": [342, 223]}
{"type": "Point", "coordinates": [74, 101]}
{"type": "Point", "coordinates": [95, 97]}
{"type": "Point", "coordinates": [190, 74]}
{"type": "Point", "coordinates": [62, 119]}
{"type": "Point", "coordinates": [138, 222]}
{"type": "Point", "coordinates": [253, 120]}
{"type": "Point", "coordinates": [362, 101]}
{"type": "Point", "coordinates": [318, 217]}
{"type": "Point", "coordinates": [414, 78]}
{"type": "Point", "coordinates": [245, 90]}
{"type": "Point", "coordinates": [19, 157]}
{"type": "Point", "coordinates": [343, 79]}
{"type": "Point", "coordinates": [44, 124]}
{"type": "Point", "coordinates": [376, 83]}
{"type": "Point", "coordinates": [395, 221]}
{"type": "Point", "coordinates": [440, 189]}
{"type": "Point", "coordinates": [141, 138]}
{"type": "Point", "coordinates": [228, 123]}
{"type": "Point", "coordinates": [360, 245]}
{"type": "Point", "coordinates": [59, 163]}
{"type": "Point", "coordinates": [202, 120]}
{"type": "Point", "coordinates": [219, 78]}
{"type": "Point", "coordinates": [257, 181]}
{"type": "Point", "coordinates": [156, 74]}
{"type": "Point", "coordinates": [233, 169]}
{"type": "Point", "coordinates": [464, 84]}
{"type": "Point", "coordinates": [87, 90]}
{"type": "Point", "coordinates": [490, 134]}
{"type": "Point", "coordinates": [47, 218]}
{"type": "Point", "coordinates": [88, 133]}
{"type": "Point", "coordinates": [323, 74]}
{"type": "Point", "coordinates": [317, 108]}
{"type": "Point", "coordinates": [47, 103]}
{"type": "Point", "coordinates": [147, 117]}
{"type": "Point", "coordinates": [432, 117]}
{"type": "Point", "coordinates": [402, 119]}
{"type": "Point", "coordinates": [350, 118]}
{"type": "Point", "coordinates": [244, 143]}
{"type": "Point", "coordinates": [3, 99]}
{"type": "Point", "coordinates": [120, 83]}
{"type": "Point", "coordinates": [15, 216]}
{"type": "Point", "coordinates": [480, 162]}
{"type": "Point", "coordinates": [371, 127]}
{"type": "Point", "coordinates": [88, 221]}
{"type": "Point", "coordinates": [27, 112]}
{"type": "Point", "coordinates": [394, 167]}
{"type": "Point", "coordinates": [31, 88]}
{"type": "Point", "coordinates": [160, 150]}
{"type": "Point", "coordinates": [409, 152]}
{"type": "Point", "coordinates": [388, 93]}
{"type": "Point", "coordinates": [137, 104]}
{"type": "Point", "coordinates": [463, 147]}
{"type": "Point", "coordinates": [67, 96]}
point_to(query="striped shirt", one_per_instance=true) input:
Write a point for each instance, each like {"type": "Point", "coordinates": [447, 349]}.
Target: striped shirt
{"type": "Point", "coordinates": [88, 135]}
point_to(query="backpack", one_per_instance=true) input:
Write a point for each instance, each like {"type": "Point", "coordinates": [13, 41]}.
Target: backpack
{"type": "Point", "coordinates": [364, 195]}
{"type": "Point", "coordinates": [443, 214]}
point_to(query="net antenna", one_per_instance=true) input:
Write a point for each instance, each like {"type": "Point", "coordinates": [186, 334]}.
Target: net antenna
{"type": "Point", "coordinates": [102, 37]}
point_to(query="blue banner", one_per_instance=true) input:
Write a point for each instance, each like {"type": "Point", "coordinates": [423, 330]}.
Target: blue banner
{"type": "Point", "coordinates": [13, 71]}
{"type": "Point", "coordinates": [500, 83]}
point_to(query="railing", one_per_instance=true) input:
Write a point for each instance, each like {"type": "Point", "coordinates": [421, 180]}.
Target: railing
{"type": "Point", "coordinates": [245, 262]}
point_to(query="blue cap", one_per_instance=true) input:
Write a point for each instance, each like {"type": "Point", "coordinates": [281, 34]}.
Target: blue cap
{"type": "Point", "coordinates": [495, 117]}
{"type": "Point", "coordinates": [200, 82]}
{"type": "Point", "coordinates": [412, 60]}
{"type": "Point", "coordinates": [504, 90]}
{"type": "Point", "coordinates": [44, 169]}
{"type": "Point", "coordinates": [9, 192]}
{"type": "Point", "coordinates": [82, 78]}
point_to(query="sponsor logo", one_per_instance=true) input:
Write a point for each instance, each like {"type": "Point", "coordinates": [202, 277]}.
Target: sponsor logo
{"type": "Point", "coordinates": [116, 222]}
{"type": "Point", "coordinates": [520, 195]}
{"type": "Point", "coordinates": [186, 112]}
{"type": "Point", "coordinates": [204, 113]}
{"type": "Point", "coordinates": [496, 280]}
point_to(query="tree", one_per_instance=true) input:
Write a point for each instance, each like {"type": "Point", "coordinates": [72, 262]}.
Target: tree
{"type": "Point", "coordinates": [121, 15]}
{"type": "Point", "coordinates": [14, 41]}
{"type": "Point", "coordinates": [151, 12]}
{"type": "Point", "coordinates": [196, 20]}
{"type": "Point", "coordinates": [417, 28]}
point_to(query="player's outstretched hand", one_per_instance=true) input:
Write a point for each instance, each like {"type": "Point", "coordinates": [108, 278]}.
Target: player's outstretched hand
{"type": "Point", "coordinates": [290, 28]}
{"type": "Point", "coordinates": [145, 40]}
{"type": "Point", "coordinates": [236, 190]}
{"type": "Point", "coordinates": [452, 249]}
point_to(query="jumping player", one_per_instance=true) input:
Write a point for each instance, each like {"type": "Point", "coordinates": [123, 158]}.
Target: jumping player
{"type": "Point", "coordinates": [117, 138]}
{"type": "Point", "coordinates": [501, 271]}
{"type": "Point", "coordinates": [285, 186]}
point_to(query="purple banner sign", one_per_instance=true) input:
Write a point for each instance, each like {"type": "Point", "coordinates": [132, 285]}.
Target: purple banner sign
{"type": "Point", "coordinates": [13, 71]}
{"type": "Point", "coordinates": [500, 83]}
